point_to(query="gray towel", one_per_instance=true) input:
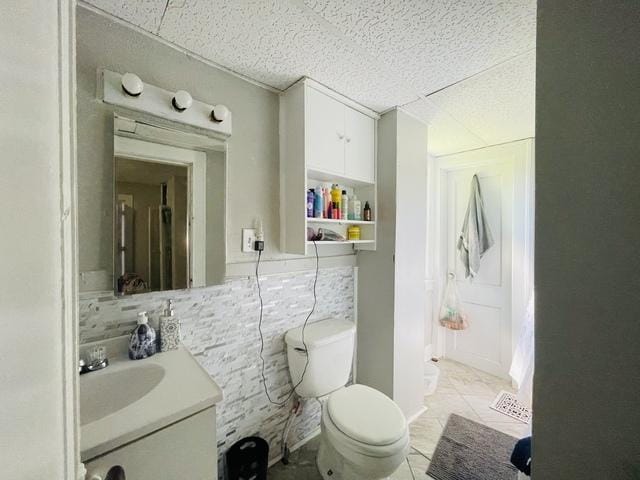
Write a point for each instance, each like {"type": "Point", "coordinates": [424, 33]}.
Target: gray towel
{"type": "Point", "coordinates": [475, 237]}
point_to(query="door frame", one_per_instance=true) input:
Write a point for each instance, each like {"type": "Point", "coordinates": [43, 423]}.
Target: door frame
{"type": "Point", "coordinates": [521, 154]}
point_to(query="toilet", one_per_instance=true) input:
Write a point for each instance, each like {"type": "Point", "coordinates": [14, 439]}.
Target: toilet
{"type": "Point", "coordinates": [364, 433]}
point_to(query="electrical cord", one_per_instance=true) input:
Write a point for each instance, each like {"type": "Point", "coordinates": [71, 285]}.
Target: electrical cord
{"type": "Point", "coordinates": [304, 326]}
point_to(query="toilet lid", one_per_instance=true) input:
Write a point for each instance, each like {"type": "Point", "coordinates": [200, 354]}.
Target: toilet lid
{"type": "Point", "coordinates": [366, 415]}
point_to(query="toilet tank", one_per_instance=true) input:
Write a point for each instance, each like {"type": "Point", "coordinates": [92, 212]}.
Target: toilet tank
{"type": "Point", "coordinates": [330, 345]}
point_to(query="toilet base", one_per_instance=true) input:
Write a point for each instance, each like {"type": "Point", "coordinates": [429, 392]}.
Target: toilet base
{"type": "Point", "coordinates": [334, 466]}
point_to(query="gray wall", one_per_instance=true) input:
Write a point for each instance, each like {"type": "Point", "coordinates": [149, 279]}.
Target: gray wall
{"type": "Point", "coordinates": [32, 408]}
{"type": "Point", "coordinates": [253, 163]}
{"type": "Point", "coordinates": [587, 381]}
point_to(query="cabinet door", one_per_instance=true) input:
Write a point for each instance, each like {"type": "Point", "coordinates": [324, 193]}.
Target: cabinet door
{"type": "Point", "coordinates": [184, 450]}
{"type": "Point", "coordinates": [325, 133]}
{"type": "Point", "coordinates": [359, 146]}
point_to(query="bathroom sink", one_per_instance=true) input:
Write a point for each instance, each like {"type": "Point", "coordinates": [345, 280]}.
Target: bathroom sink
{"type": "Point", "coordinates": [131, 399]}
{"type": "Point", "coordinates": [106, 392]}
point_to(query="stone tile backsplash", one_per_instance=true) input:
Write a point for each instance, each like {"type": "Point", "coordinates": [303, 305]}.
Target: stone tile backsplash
{"type": "Point", "coordinates": [220, 327]}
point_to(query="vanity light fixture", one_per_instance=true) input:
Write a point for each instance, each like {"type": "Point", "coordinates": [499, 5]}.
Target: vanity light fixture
{"type": "Point", "coordinates": [182, 100]}
{"type": "Point", "coordinates": [219, 113]}
{"type": "Point", "coordinates": [131, 84]}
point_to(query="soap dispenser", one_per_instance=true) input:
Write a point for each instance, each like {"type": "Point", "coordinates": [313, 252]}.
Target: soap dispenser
{"type": "Point", "coordinates": [142, 343]}
{"type": "Point", "coordinates": [169, 329]}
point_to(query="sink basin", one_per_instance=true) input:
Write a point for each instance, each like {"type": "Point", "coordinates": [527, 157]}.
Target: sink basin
{"type": "Point", "coordinates": [106, 392]}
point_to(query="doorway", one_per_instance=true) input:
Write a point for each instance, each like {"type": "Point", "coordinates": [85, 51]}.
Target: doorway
{"type": "Point", "coordinates": [495, 300]}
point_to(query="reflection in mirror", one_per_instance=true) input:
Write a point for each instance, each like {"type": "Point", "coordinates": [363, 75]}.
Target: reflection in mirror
{"type": "Point", "coordinates": [152, 208]}
{"type": "Point", "coordinates": [168, 208]}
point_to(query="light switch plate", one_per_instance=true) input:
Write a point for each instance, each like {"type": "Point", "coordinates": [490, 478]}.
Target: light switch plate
{"type": "Point", "coordinates": [248, 239]}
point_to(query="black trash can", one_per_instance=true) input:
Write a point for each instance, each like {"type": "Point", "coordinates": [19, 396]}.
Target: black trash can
{"type": "Point", "coordinates": [247, 459]}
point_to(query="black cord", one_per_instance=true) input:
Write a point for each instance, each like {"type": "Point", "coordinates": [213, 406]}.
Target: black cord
{"type": "Point", "coordinates": [304, 326]}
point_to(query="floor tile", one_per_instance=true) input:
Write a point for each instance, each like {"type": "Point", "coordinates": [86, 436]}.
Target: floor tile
{"type": "Point", "coordinates": [440, 406]}
{"type": "Point", "coordinates": [425, 433]}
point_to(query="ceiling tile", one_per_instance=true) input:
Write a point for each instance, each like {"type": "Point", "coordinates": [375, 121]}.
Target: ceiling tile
{"type": "Point", "coordinates": [438, 42]}
{"type": "Point", "coordinates": [497, 105]}
{"type": "Point", "coordinates": [446, 135]}
{"type": "Point", "coordinates": [143, 13]}
{"type": "Point", "coordinates": [276, 42]}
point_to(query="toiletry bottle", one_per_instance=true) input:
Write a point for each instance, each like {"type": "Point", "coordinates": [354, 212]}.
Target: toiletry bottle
{"type": "Point", "coordinates": [169, 329]}
{"type": "Point", "coordinates": [336, 197]}
{"type": "Point", "coordinates": [367, 212]}
{"type": "Point", "coordinates": [355, 209]}
{"type": "Point", "coordinates": [142, 343]}
{"type": "Point", "coordinates": [344, 203]}
{"type": "Point", "coordinates": [317, 203]}
{"type": "Point", "coordinates": [310, 198]}
{"type": "Point", "coordinates": [326, 203]}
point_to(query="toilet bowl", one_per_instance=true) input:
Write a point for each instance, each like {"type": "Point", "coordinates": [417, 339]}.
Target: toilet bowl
{"type": "Point", "coordinates": [364, 434]}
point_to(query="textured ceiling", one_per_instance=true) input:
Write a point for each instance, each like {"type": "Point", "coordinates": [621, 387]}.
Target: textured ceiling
{"type": "Point", "coordinates": [476, 55]}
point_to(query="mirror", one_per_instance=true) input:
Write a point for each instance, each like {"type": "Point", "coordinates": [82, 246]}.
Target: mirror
{"type": "Point", "coordinates": [168, 210]}
{"type": "Point", "coordinates": [166, 220]}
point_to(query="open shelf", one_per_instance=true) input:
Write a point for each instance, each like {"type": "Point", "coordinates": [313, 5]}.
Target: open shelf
{"type": "Point", "coordinates": [339, 222]}
{"type": "Point", "coordinates": [340, 242]}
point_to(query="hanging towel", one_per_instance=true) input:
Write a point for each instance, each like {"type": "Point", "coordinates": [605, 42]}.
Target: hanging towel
{"type": "Point", "coordinates": [475, 238]}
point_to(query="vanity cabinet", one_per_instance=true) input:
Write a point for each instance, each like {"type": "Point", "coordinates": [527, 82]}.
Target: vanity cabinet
{"type": "Point", "coordinates": [186, 449]}
{"type": "Point", "coordinates": [325, 138]}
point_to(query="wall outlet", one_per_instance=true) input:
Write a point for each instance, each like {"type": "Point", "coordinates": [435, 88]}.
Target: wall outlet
{"type": "Point", "coordinates": [248, 239]}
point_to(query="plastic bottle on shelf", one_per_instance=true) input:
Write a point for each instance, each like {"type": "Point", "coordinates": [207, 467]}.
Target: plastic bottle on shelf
{"type": "Point", "coordinates": [326, 212]}
{"type": "Point", "coordinates": [318, 203]}
{"type": "Point", "coordinates": [355, 209]}
{"type": "Point", "coordinates": [367, 212]}
{"type": "Point", "coordinates": [344, 205]}
{"type": "Point", "coordinates": [336, 197]}
{"type": "Point", "coordinates": [310, 199]}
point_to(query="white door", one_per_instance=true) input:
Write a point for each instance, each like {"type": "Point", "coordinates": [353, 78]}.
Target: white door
{"type": "Point", "coordinates": [359, 146]}
{"type": "Point", "coordinates": [324, 124]}
{"type": "Point", "coordinates": [486, 299]}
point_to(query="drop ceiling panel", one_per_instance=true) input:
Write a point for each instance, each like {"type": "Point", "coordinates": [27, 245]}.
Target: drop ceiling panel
{"type": "Point", "coordinates": [145, 14]}
{"type": "Point", "coordinates": [446, 134]}
{"type": "Point", "coordinates": [277, 42]}
{"type": "Point", "coordinates": [497, 105]}
{"type": "Point", "coordinates": [434, 43]}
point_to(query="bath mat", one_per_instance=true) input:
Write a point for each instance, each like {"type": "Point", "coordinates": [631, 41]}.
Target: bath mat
{"type": "Point", "coordinates": [470, 451]}
{"type": "Point", "coordinates": [508, 404]}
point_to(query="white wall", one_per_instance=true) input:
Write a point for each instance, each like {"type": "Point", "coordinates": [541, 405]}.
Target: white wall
{"type": "Point", "coordinates": [410, 261]}
{"type": "Point", "coordinates": [36, 439]}
{"type": "Point", "coordinates": [391, 280]}
{"type": "Point", "coordinates": [587, 280]}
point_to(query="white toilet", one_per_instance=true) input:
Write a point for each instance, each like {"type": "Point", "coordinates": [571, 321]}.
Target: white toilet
{"type": "Point", "coordinates": [364, 433]}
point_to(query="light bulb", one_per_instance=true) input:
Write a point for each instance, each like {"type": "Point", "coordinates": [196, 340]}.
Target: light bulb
{"type": "Point", "coordinates": [131, 84]}
{"type": "Point", "coordinates": [219, 113]}
{"type": "Point", "coordinates": [182, 100]}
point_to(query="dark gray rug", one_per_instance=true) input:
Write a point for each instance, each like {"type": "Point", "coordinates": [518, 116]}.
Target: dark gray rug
{"type": "Point", "coordinates": [470, 451]}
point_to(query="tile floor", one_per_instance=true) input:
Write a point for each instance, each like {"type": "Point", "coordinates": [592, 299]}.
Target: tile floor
{"type": "Point", "coordinates": [462, 390]}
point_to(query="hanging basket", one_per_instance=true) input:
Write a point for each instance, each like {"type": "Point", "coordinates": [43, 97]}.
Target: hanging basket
{"type": "Point", "coordinates": [451, 315]}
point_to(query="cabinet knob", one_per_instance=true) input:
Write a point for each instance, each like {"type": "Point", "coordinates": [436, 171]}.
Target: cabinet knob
{"type": "Point", "coordinates": [340, 135]}
{"type": "Point", "coordinates": [348, 139]}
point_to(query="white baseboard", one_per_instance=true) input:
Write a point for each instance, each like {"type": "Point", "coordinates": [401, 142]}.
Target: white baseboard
{"type": "Point", "coordinates": [416, 415]}
{"type": "Point", "coordinates": [295, 447]}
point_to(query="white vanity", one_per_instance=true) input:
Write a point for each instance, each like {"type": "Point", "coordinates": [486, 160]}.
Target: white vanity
{"type": "Point", "coordinates": [154, 418]}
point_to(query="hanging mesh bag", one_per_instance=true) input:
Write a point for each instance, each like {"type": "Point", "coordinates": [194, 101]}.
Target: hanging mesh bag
{"type": "Point", "coordinates": [451, 315]}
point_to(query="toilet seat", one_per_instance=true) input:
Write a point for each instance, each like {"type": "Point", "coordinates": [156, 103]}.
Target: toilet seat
{"type": "Point", "coordinates": [366, 415]}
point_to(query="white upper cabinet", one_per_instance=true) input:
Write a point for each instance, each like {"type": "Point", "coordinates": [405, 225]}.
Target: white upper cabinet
{"type": "Point", "coordinates": [325, 132]}
{"type": "Point", "coordinates": [339, 139]}
{"type": "Point", "coordinates": [359, 140]}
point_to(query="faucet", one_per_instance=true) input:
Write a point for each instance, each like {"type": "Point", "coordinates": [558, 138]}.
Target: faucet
{"type": "Point", "coordinates": [97, 360]}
